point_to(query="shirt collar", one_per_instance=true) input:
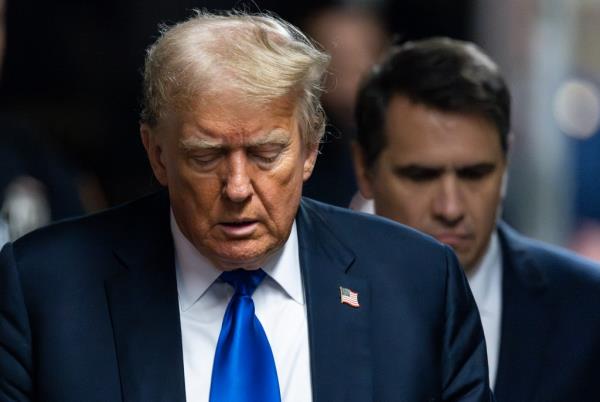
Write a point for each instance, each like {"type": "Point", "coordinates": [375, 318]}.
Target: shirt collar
{"type": "Point", "coordinates": [284, 267]}
{"type": "Point", "coordinates": [486, 279]}
{"type": "Point", "coordinates": [195, 272]}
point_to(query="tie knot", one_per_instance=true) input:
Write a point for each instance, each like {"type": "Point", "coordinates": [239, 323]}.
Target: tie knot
{"type": "Point", "coordinates": [244, 282]}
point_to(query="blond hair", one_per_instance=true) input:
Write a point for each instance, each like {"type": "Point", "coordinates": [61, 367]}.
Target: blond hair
{"type": "Point", "coordinates": [260, 56]}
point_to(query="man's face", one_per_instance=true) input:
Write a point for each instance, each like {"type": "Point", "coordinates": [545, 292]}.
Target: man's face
{"type": "Point", "coordinates": [440, 173]}
{"type": "Point", "coordinates": [234, 175]}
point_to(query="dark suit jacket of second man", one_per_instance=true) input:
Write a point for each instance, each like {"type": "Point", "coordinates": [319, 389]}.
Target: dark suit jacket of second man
{"type": "Point", "coordinates": [550, 324]}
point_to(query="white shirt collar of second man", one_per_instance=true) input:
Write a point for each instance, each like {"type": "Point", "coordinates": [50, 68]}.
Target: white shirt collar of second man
{"type": "Point", "coordinates": [486, 285]}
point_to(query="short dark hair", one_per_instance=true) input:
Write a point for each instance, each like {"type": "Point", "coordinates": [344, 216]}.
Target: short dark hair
{"type": "Point", "coordinates": [440, 73]}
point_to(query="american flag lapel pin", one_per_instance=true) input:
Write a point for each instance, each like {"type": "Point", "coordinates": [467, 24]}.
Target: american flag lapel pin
{"type": "Point", "coordinates": [349, 297]}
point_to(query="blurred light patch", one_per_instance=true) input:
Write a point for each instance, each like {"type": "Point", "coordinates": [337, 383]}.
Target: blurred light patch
{"type": "Point", "coordinates": [577, 108]}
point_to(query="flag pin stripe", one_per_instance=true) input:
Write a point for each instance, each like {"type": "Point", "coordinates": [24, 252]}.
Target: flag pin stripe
{"type": "Point", "coordinates": [349, 297]}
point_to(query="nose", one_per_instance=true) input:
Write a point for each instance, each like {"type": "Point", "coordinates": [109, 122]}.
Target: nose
{"type": "Point", "coordinates": [238, 186]}
{"type": "Point", "coordinates": [448, 205]}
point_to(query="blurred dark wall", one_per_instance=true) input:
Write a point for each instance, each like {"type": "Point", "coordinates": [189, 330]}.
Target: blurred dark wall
{"type": "Point", "coordinates": [73, 69]}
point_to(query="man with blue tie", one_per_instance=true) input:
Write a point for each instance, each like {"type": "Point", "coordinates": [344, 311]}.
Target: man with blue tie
{"type": "Point", "coordinates": [227, 286]}
{"type": "Point", "coordinates": [431, 152]}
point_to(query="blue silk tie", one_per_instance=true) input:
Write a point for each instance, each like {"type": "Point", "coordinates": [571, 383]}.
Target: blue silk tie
{"type": "Point", "coordinates": [243, 369]}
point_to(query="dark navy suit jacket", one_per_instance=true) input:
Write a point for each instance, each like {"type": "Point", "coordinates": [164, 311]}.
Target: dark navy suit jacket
{"type": "Point", "coordinates": [550, 336]}
{"type": "Point", "coordinates": [90, 311]}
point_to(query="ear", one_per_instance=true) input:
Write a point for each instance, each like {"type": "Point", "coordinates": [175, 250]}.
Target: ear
{"type": "Point", "coordinates": [154, 150]}
{"type": "Point", "coordinates": [311, 159]}
{"type": "Point", "coordinates": [504, 186]}
{"type": "Point", "coordinates": [510, 142]}
{"type": "Point", "coordinates": [363, 176]}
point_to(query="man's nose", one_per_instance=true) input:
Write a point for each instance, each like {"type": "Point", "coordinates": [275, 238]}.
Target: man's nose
{"type": "Point", "coordinates": [448, 205]}
{"type": "Point", "coordinates": [238, 186]}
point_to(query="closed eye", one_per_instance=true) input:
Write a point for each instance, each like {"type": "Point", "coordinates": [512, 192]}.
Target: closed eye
{"type": "Point", "coordinates": [267, 153]}
{"type": "Point", "coordinates": [476, 172]}
{"type": "Point", "coordinates": [206, 158]}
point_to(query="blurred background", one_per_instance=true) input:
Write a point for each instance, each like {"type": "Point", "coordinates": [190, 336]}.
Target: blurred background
{"type": "Point", "coordinates": [71, 74]}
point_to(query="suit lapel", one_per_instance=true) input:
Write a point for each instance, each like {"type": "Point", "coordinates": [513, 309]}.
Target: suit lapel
{"type": "Point", "coordinates": [144, 310]}
{"type": "Point", "coordinates": [526, 318]}
{"type": "Point", "coordinates": [338, 333]}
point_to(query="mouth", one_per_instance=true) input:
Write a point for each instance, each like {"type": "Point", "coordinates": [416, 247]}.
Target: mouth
{"type": "Point", "coordinates": [455, 240]}
{"type": "Point", "coordinates": [239, 228]}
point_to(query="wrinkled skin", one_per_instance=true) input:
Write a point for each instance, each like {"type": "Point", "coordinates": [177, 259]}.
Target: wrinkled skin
{"type": "Point", "coordinates": [234, 173]}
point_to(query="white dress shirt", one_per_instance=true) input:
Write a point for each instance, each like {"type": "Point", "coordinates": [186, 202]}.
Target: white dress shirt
{"type": "Point", "coordinates": [361, 204]}
{"type": "Point", "coordinates": [486, 284]}
{"type": "Point", "coordinates": [279, 305]}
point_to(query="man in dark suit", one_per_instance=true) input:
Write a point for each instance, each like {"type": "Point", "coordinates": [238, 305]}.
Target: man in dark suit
{"type": "Point", "coordinates": [227, 286]}
{"type": "Point", "coordinates": [431, 152]}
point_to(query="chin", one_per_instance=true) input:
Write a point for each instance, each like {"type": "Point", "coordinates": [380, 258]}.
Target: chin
{"type": "Point", "coordinates": [247, 260]}
{"type": "Point", "coordinates": [231, 263]}
{"type": "Point", "coordinates": [469, 263]}
{"type": "Point", "coordinates": [249, 254]}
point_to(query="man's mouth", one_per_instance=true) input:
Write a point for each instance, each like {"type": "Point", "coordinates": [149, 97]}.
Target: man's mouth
{"type": "Point", "coordinates": [454, 240]}
{"type": "Point", "coordinates": [238, 229]}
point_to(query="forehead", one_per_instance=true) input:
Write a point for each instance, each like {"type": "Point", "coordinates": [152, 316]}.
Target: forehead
{"type": "Point", "coordinates": [234, 120]}
{"type": "Point", "coordinates": [415, 131]}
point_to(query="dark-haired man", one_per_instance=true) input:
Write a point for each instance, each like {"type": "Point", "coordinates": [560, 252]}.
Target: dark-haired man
{"type": "Point", "coordinates": [433, 136]}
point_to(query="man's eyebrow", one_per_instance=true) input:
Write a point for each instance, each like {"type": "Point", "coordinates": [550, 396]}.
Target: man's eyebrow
{"type": "Point", "coordinates": [413, 168]}
{"type": "Point", "coordinates": [275, 137]}
{"type": "Point", "coordinates": [478, 165]}
{"type": "Point", "coordinates": [476, 169]}
{"type": "Point", "coordinates": [416, 166]}
{"type": "Point", "coordinates": [191, 143]}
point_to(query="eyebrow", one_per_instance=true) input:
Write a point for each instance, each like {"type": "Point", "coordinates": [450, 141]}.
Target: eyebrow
{"type": "Point", "coordinates": [415, 168]}
{"type": "Point", "coordinates": [191, 143]}
{"type": "Point", "coordinates": [482, 167]}
{"type": "Point", "coordinates": [434, 166]}
{"type": "Point", "coordinates": [277, 136]}
{"type": "Point", "coordinates": [274, 137]}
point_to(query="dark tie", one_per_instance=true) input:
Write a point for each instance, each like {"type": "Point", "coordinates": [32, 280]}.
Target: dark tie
{"type": "Point", "coordinates": [244, 369]}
